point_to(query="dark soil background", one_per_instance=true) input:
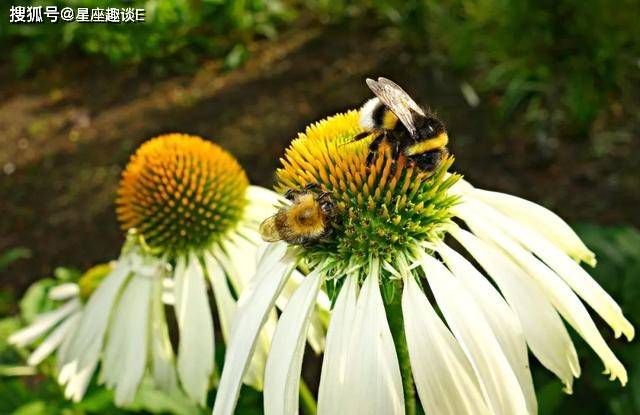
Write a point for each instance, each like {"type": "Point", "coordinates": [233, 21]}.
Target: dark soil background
{"type": "Point", "coordinates": [67, 132]}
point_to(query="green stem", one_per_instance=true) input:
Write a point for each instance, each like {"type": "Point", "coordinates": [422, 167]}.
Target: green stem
{"type": "Point", "coordinates": [307, 399]}
{"type": "Point", "coordinates": [396, 324]}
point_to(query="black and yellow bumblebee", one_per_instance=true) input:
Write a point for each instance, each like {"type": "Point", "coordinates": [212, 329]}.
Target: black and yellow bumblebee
{"type": "Point", "coordinates": [306, 221]}
{"type": "Point", "coordinates": [394, 118]}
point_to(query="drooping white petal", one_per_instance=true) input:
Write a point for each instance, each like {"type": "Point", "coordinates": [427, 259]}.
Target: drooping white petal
{"type": "Point", "coordinates": [64, 291]}
{"type": "Point", "coordinates": [263, 203]}
{"type": "Point", "coordinates": [55, 339]}
{"type": "Point", "coordinates": [125, 352]}
{"type": "Point", "coordinates": [498, 382]}
{"type": "Point", "coordinates": [263, 195]}
{"type": "Point", "coordinates": [544, 221]}
{"type": "Point", "coordinates": [43, 323]}
{"type": "Point", "coordinates": [254, 375]}
{"type": "Point", "coordinates": [76, 381]}
{"type": "Point", "coordinates": [254, 306]}
{"type": "Point", "coordinates": [225, 302]}
{"type": "Point", "coordinates": [332, 394]}
{"type": "Point", "coordinates": [63, 348]}
{"type": "Point", "coordinates": [460, 187]}
{"type": "Point", "coordinates": [162, 356]}
{"type": "Point", "coordinates": [372, 378]}
{"type": "Point", "coordinates": [444, 378]}
{"type": "Point", "coordinates": [168, 291]}
{"type": "Point", "coordinates": [196, 348]}
{"type": "Point", "coordinates": [282, 373]}
{"type": "Point", "coordinates": [88, 337]}
{"type": "Point", "coordinates": [501, 318]}
{"type": "Point", "coordinates": [315, 335]}
{"type": "Point", "coordinates": [226, 305]}
{"type": "Point", "coordinates": [546, 335]}
{"type": "Point", "coordinates": [571, 272]}
{"type": "Point", "coordinates": [236, 259]}
{"type": "Point", "coordinates": [565, 300]}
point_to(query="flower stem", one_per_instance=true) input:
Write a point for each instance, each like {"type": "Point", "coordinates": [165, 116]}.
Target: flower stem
{"type": "Point", "coordinates": [308, 401]}
{"type": "Point", "coordinates": [396, 324]}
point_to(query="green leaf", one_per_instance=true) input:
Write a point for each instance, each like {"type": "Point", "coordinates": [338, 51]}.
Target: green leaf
{"type": "Point", "coordinates": [35, 300]}
{"type": "Point", "coordinates": [151, 399]}
{"type": "Point", "coordinates": [98, 400]}
{"type": "Point", "coordinates": [32, 408]}
{"type": "Point", "coordinates": [236, 57]}
{"type": "Point", "coordinates": [67, 274]}
{"type": "Point", "coordinates": [12, 255]}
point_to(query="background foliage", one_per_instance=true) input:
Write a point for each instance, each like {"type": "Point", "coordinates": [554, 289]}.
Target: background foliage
{"type": "Point", "coordinates": [563, 64]}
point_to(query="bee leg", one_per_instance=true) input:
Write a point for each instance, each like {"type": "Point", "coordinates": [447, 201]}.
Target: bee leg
{"type": "Point", "coordinates": [373, 148]}
{"type": "Point", "coordinates": [326, 236]}
{"type": "Point", "coordinates": [395, 153]}
{"type": "Point", "coordinates": [311, 186]}
{"type": "Point", "coordinates": [308, 243]}
{"type": "Point", "coordinates": [361, 136]}
{"type": "Point", "coordinates": [428, 162]}
{"type": "Point", "coordinates": [357, 137]}
{"type": "Point", "coordinates": [324, 194]}
{"type": "Point", "coordinates": [291, 194]}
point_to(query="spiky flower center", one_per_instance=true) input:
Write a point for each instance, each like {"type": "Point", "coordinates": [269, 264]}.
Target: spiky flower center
{"type": "Point", "coordinates": [384, 210]}
{"type": "Point", "coordinates": [181, 193]}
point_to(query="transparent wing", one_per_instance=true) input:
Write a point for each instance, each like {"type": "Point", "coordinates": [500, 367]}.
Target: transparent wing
{"type": "Point", "coordinates": [269, 231]}
{"type": "Point", "coordinates": [397, 100]}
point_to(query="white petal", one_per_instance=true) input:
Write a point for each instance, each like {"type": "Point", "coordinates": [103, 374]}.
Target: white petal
{"type": "Point", "coordinates": [565, 300]}
{"type": "Point", "coordinates": [282, 373]}
{"type": "Point", "coordinates": [162, 356]}
{"type": "Point", "coordinates": [55, 339]}
{"type": "Point", "coordinates": [125, 354]}
{"type": "Point", "coordinates": [225, 302]}
{"type": "Point", "coordinates": [88, 337]}
{"type": "Point", "coordinates": [263, 195]}
{"type": "Point", "coordinates": [315, 334]}
{"type": "Point", "coordinates": [76, 381]}
{"type": "Point", "coordinates": [63, 348]}
{"type": "Point", "coordinates": [262, 203]}
{"type": "Point", "coordinates": [501, 318]}
{"type": "Point", "coordinates": [196, 348]}
{"type": "Point", "coordinates": [254, 375]}
{"type": "Point", "coordinates": [373, 378]}
{"type": "Point", "coordinates": [544, 221]}
{"type": "Point", "coordinates": [571, 272]}
{"type": "Point", "coordinates": [226, 305]}
{"type": "Point", "coordinates": [43, 323]}
{"type": "Point", "coordinates": [238, 259]}
{"type": "Point", "coordinates": [497, 380]}
{"type": "Point", "coordinates": [332, 393]}
{"type": "Point", "coordinates": [64, 291]}
{"type": "Point", "coordinates": [254, 306]}
{"type": "Point", "coordinates": [443, 376]}
{"type": "Point", "coordinates": [168, 291]}
{"type": "Point", "coordinates": [546, 335]}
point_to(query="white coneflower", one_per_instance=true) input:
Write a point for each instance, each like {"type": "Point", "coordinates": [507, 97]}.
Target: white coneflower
{"type": "Point", "coordinates": [191, 217]}
{"type": "Point", "coordinates": [59, 324]}
{"type": "Point", "coordinates": [408, 307]}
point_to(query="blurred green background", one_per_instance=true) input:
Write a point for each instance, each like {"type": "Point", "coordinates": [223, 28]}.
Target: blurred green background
{"type": "Point", "coordinates": [541, 99]}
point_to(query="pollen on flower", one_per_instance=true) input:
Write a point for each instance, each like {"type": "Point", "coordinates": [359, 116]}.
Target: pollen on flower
{"type": "Point", "coordinates": [181, 193]}
{"type": "Point", "coordinates": [384, 209]}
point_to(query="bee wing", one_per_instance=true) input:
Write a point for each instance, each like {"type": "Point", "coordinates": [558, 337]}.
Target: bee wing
{"type": "Point", "coordinates": [397, 100]}
{"type": "Point", "coordinates": [269, 231]}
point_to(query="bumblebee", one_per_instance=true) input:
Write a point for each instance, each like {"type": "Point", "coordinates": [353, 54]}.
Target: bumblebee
{"type": "Point", "coordinates": [394, 118]}
{"type": "Point", "coordinates": [305, 221]}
